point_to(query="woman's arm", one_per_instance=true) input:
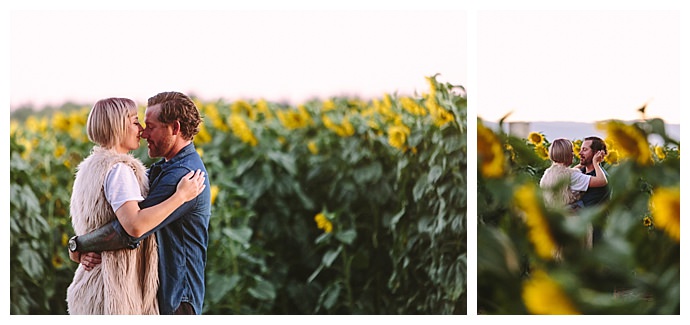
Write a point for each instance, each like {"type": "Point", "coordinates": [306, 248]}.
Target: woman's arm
{"type": "Point", "coordinates": [600, 179]}
{"type": "Point", "coordinates": [137, 222]}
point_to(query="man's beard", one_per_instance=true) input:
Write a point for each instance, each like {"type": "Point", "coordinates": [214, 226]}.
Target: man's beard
{"type": "Point", "coordinates": [586, 161]}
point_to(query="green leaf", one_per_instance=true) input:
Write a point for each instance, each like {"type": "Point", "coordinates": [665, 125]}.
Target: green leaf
{"type": "Point", "coordinates": [435, 172]}
{"type": "Point", "coordinates": [315, 273]}
{"type": "Point", "coordinates": [347, 236]}
{"type": "Point", "coordinates": [369, 173]}
{"type": "Point", "coordinates": [31, 262]}
{"type": "Point", "coordinates": [420, 188]}
{"type": "Point", "coordinates": [330, 256]}
{"type": "Point", "coordinates": [240, 235]}
{"type": "Point", "coordinates": [331, 297]}
{"type": "Point", "coordinates": [264, 290]}
{"type": "Point", "coordinates": [286, 161]}
{"type": "Point", "coordinates": [394, 219]}
{"type": "Point", "coordinates": [218, 285]}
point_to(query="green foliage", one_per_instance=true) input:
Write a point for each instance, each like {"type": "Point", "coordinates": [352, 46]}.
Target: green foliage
{"type": "Point", "coordinates": [397, 211]}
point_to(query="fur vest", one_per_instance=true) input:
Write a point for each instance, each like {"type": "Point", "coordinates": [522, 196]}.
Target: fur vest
{"type": "Point", "coordinates": [555, 184]}
{"type": "Point", "coordinates": [126, 281]}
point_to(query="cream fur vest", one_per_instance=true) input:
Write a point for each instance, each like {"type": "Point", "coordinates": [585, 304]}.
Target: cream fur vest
{"type": "Point", "coordinates": [556, 186]}
{"type": "Point", "coordinates": [126, 281]}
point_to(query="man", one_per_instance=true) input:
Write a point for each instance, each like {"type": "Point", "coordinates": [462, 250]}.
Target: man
{"type": "Point", "coordinates": [594, 195]}
{"type": "Point", "coordinates": [171, 121]}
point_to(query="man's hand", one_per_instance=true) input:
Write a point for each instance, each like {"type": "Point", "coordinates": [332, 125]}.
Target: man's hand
{"type": "Point", "coordinates": [88, 260]}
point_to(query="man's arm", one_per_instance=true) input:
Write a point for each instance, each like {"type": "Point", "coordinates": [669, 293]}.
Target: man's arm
{"type": "Point", "coordinates": [109, 237]}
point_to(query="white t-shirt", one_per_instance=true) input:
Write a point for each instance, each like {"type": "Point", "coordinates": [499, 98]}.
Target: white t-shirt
{"type": "Point", "coordinates": [579, 181]}
{"type": "Point", "coordinates": [121, 185]}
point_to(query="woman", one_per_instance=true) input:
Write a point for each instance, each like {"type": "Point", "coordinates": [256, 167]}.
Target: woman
{"type": "Point", "coordinates": [562, 184]}
{"type": "Point", "coordinates": [108, 185]}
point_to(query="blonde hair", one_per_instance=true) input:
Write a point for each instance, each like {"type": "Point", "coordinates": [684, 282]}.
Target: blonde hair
{"type": "Point", "coordinates": [108, 119]}
{"type": "Point", "coordinates": [561, 151]}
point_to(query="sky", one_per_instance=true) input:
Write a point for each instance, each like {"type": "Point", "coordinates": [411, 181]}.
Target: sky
{"type": "Point", "coordinates": [279, 55]}
{"type": "Point", "coordinates": [538, 65]}
{"type": "Point", "coordinates": [578, 66]}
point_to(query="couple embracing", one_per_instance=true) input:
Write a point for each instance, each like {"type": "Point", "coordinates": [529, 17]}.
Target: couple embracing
{"type": "Point", "coordinates": [141, 234]}
{"type": "Point", "coordinates": [584, 185]}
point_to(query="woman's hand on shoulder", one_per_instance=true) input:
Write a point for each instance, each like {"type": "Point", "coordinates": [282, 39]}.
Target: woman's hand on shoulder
{"type": "Point", "coordinates": [191, 185]}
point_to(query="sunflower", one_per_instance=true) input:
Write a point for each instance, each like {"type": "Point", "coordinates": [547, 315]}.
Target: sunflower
{"type": "Point", "coordinates": [660, 152]}
{"type": "Point", "coordinates": [536, 138]}
{"type": "Point", "coordinates": [490, 153]}
{"type": "Point", "coordinates": [542, 151]}
{"type": "Point", "coordinates": [577, 144]}
{"type": "Point", "coordinates": [322, 222]}
{"type": "Point", "coordinates": [665, 207]}
{"type": "Point", "coordinates": [241, 130]}
{"type": "Point", "coordinates": [397, 136]}
{"type": "Point", "coordinates": [647, 221]}
{"type": "Point", "coordinates": [214, 193]}
{"type": "Point", "coordinates": [544, 296]}
{"type": "Point", "coordinates": [539, 232]}
{"type": "Point", "coordinates": [629, 140]}
{"type": "Point", "coordinates": [612, 157]}
{"type": "Point", "coordinates": [313, 148]}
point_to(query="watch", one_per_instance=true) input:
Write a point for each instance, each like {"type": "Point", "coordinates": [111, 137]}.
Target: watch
{"type": "Point", "coordinates": [72, 244]}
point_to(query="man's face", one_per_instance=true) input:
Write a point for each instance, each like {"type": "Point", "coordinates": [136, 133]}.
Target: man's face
{"type": "Point", "coordinates": [158, 135]}
{"type": "Point", "coordinates": [586, 153]}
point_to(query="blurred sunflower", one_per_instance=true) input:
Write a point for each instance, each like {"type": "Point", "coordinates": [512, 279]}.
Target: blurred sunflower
{"type": "Point", "coordinates": [295, 119]}
{"type": "Point", "coordinates": [525, 199]}
{"type": "Point", "coordinates": [442, 116]}
{"type": "Point", "coordinates": [629, 140]}
{"type": "Point", "coordinates": [322, 222]}
{"type": "Point", "coordinates": [397, 136]}
{"type": "Point", "coordinates": [214, 193]}
{"type": "Point", "coordinates": [544, 296]}
{"type": "Point", "coordinates": [343, 130]}
{"type": "Point", "coordinates": [612, 157]}
{"type": "Point", "coordinates": [665, 207]}
{"type": "Point", "coordinates": [411, 106]}
{"type": "Point", "coordinates": [241, 130]}
{"type": "Point", "coordinates": [660, 152]}
{"type": "Point", "coordinates": [243, 107]}
{"type": "Point", "coordinates": [212, 115]}
{"type": "Point", "coordinates": [647, 221]}
{"type": "Point", "coordinates": [263, 109]}
{"type": "Point", "coordinates": [313, 148]}
{"type": "Point", "coordinates": [542, 151]}
{"type": "Point", "coordinates": [203, 136]}
{"type": "Point", "coordinates": [490, 153]}
{"type": "Point", "coordinates": [577, 145]}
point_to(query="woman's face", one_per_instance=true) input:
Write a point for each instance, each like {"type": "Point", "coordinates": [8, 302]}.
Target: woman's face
{"type": "Point", "coordinates": [133, 132]}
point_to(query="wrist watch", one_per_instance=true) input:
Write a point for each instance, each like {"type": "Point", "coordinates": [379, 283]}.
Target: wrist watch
{"type": "Point", "coordinates": [72, 244]}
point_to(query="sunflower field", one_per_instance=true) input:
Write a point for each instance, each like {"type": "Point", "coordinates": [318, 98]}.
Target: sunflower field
{"type": "Point", "coordinates": [334, 206]}
{"type": "Point", "coordinates": [634, 268]}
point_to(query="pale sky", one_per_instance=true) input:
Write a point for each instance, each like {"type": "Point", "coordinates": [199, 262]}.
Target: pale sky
{"type": "Point", "coordinates": [579, 66]}
{"type": "Point", "coordinates": [277, 55]}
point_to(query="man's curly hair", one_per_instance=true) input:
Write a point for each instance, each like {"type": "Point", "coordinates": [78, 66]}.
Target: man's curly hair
{"type": "Point", "coordinates": [176, 106]}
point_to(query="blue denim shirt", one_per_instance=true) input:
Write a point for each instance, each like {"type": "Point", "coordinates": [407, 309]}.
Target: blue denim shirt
{"type": "Point", "coordinates": [182, 237]}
